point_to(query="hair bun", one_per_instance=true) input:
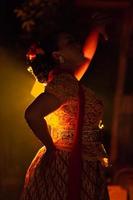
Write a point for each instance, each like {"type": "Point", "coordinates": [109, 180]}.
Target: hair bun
{"type": "Point", "coordinates": [39, 61]}
{"type": "Point", "coordinates": [33, 51]}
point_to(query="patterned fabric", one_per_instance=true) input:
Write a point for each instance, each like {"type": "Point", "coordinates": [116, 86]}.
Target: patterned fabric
{"type": "Point", "coordinates": [48, 180]}
{"type": "Point", "coordinates": [63, 121]}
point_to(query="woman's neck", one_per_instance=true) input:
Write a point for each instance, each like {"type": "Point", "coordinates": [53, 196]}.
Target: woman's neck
{"type": "Point", "coordinates": [58, 70]}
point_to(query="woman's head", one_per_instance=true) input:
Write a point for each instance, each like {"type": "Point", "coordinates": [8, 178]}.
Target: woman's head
{"type": "Point", "coordinates": [59, 50]}
{"type": "Point", "coordinates": [69, 52]}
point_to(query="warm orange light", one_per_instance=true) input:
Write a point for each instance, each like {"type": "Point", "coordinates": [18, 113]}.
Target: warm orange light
{"type": "Point", "coordinates": [37, 89]}
{"type": "Point", "coordinates": [81, 70]}
{"type": "Point", "coordinates": [106, 162]}
{"type": "Point", "coordinates": [117, 192]}
{"type": "Point", "coordinates": [53, 124]}
{"type": "Point", "coordinates": [58, 123]}
{"type": "Point", "coordinates": [53, 120]}
{"type": "Point", "coordinates": [31, 56]}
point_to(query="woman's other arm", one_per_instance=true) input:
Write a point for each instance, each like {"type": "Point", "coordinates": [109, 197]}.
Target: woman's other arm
{"type": "Point", "coordinates": [89, 49]}
{"type": "Point", "coordinates": [44, 104]}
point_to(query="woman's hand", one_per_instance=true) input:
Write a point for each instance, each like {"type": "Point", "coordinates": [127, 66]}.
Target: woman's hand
{"type": "Point", "coordinates": [102, 31]}
{"type": "Point", "coordinates": [49, 155]}
{"type": "Point", "coordinates": [99, 22]}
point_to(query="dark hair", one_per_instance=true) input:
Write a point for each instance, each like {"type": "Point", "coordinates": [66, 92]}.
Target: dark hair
{"type": "Point", "coordinates": [42, 62]}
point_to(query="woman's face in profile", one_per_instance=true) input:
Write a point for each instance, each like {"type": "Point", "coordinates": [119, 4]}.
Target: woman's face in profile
{"type": "Point", "coordinates": [70, 48]}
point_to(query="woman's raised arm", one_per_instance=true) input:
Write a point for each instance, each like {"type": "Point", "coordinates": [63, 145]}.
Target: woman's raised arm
{"type": "Point", "coordinates": [89, 49]}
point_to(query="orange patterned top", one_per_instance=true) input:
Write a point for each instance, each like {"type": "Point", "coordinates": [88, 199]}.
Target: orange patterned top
{"type": "Point", "coordinates": [62, 122]}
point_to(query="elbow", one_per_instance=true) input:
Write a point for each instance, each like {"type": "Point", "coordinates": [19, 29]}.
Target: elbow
{"type": "Point", "coordinates": [28, 115]}
{"type": "Point", "coordinates": [31, 115]}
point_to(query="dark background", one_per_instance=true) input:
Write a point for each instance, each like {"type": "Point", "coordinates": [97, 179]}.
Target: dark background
{"type": "Point", "coordinates": [18, 144]}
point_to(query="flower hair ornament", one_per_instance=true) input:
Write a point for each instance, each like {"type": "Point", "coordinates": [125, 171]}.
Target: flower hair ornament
{"type": "Point", "coordinates": [38, 63]}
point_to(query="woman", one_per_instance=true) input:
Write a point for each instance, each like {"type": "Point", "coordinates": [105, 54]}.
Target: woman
{"type": "Point", "coordinates": [65, 118]}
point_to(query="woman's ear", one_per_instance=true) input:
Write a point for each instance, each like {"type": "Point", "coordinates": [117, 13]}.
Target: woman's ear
{"type": "Point", "coordinates": [58, 57]}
